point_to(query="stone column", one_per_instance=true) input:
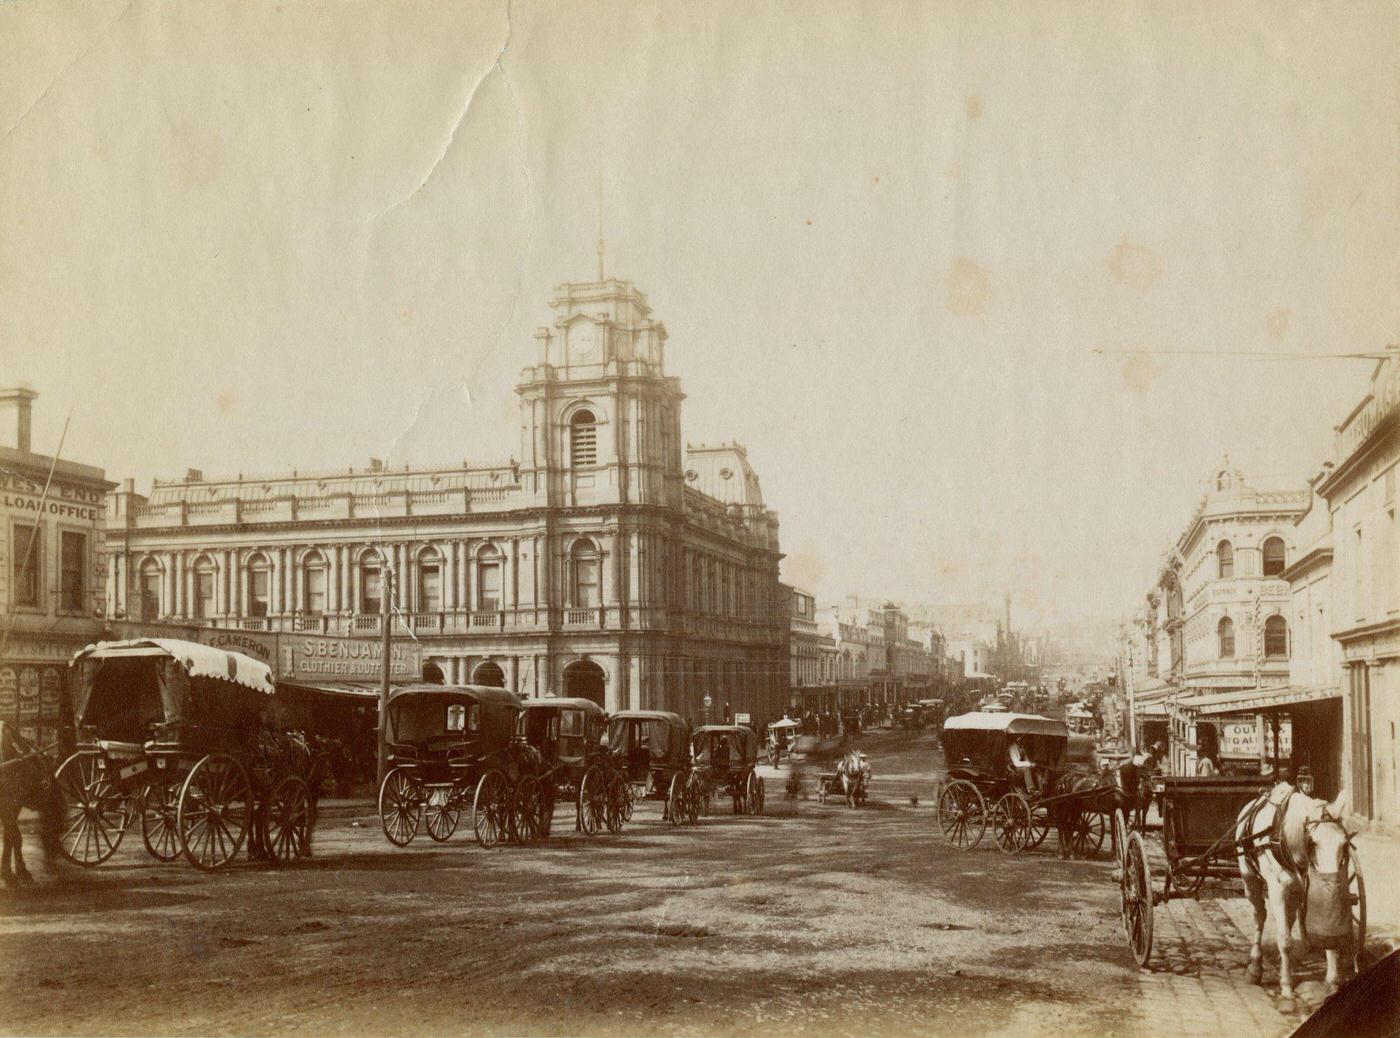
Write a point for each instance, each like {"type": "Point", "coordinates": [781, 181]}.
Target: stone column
{"type": "Point", "coordinates": [354, 581]}
{"type": "Point", "coordinates": [243, 581]}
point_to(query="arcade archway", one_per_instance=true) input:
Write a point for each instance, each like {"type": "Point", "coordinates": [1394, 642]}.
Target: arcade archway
{"type": "Point", "coordinates": [584, 679]}
{"type": "Point", "coordinates": [490, 674]}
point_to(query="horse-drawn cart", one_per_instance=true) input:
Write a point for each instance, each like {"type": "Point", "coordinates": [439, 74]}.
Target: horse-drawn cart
{"type": "Point", "coordinates": [1011, 771]}
{"type": "Point", "coordinates": [726, 756]}
{"type": "Point", "coordinates": [653, 750]}
{"type": "Point", "coordinates": [1201, 819]}
{"type": "Point", "coordinates": [451, 749]}
{"type": "Point", "coordinates": [568, 736]}
{"type": "Point", "coordinates": [172, 734]}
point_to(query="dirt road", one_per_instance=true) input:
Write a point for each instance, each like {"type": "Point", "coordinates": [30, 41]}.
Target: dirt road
{"type": "Point", "coordinates": [812, 920]}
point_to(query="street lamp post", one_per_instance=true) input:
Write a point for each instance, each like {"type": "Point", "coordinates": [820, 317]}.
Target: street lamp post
{"type": "Point", "coordinates": [705, 704]}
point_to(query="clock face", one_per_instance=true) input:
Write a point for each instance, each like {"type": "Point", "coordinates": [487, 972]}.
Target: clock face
{"type": "Point", "coordinates": [583, 341]}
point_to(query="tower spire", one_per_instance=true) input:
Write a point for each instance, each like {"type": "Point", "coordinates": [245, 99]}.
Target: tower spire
{"type": "Point", "coordinates": [600, 212]}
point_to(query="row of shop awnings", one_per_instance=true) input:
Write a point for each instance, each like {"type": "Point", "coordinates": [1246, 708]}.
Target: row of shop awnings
{"type": "Point", "coordinates": [360, 689]}
{"type": "Point", "coordinates": [1153, 702]}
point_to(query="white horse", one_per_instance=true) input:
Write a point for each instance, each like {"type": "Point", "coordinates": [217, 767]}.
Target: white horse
{"type": "Point", "coordinates": [1294, 848]}
{"type": "Point", "coordinates": [854, 774]}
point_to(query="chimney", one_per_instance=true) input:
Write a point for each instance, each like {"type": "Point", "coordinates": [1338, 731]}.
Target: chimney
{"type": "Point", "coordinates": [194, 476]}
{"type": "Point", "coordinates": [16, 401]}
{"type": "Point", "coordinates": [376, 464]}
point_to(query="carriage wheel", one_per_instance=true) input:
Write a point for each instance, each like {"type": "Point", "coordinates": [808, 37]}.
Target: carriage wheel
{"type": "Point", "coordinates": [697, 799]}
{"type": "Point", "coordinates": [400, 807]}
{"type": "Point", "coordinates": [618, 807]}
{"type": "Point", "coordinates": [289, 820]}
{"type": "Point", "coordinates": [214, 810]}
{"type": "Point", "coordinates": [962, 814]}
{"type": "Point", "coordinates": [591, 805]}
{"type": "Point", "coordinates": [756, 795]}
{"type": "Point", "coordinates": [1356, 894]}
{"type": "Point", "coordinates": [1135, 897]}
{"type": "Point", "coordinates": [442, 812]}
{"type": "Point", "coordinates": [1011, 823]}
{"type": "Point", "coordinates": [94, 810]}
{"type": "Point", "coordinates": [490, 809]}
{"type": "Point", "coordinates": [1040, 827]}
{"type": "Point", "coordinates": [528, 817]}
{"type": "Point", "coordinates": [1086, 832]}
{"type": "Point", "coordinates": [676, 806]}
{"type": "Point", "coordinates": [159, 832]}
{"type": "Point", "coordinates": [1120, 834]}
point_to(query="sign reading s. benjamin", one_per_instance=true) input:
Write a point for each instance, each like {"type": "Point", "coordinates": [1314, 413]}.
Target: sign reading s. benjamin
{"type": "Point", "coordinates": [312, 657]}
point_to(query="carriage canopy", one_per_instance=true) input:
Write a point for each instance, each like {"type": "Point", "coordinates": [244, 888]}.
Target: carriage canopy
{"type": "Point", "coordinates": [421, 714]}
{"type": "Point", "coordinates": [125, 687]}
{"type": "Point", "coordinates": [740, 740]}
{"type": "Point", "coordinates": [563, 728]}
{"type": "Point", "coordinates": [982, 739]}
{"type": "Point", "coordinates": [665, 736]}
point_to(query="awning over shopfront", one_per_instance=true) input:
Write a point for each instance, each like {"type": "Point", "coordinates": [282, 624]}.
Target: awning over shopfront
{"type": "Point", "coordinates": [1257, 700]}
{"type": "Point", "coordinates": [361, 689]}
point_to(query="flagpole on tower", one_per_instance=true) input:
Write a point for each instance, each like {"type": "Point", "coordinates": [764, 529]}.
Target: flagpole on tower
{"type": "Point", "coordinates": [600, 212]}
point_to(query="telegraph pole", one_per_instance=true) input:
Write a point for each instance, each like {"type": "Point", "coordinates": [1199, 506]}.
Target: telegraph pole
{"type": "Point", "coordinates": [386, 614]}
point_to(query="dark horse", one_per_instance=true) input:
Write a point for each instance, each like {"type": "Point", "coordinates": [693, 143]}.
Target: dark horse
{"type": "Point", "coordinates": [1079, 794]}
{"type": "Point", "coordinates": [26, 781]}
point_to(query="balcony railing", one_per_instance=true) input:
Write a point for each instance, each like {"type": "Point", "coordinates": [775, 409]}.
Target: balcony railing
{"type": "Point", "coordinates": [587, 617]}
{"type": "Point", "coordinates": [488, 620]}
{"type": "Point", "coordinates": [425, 621]}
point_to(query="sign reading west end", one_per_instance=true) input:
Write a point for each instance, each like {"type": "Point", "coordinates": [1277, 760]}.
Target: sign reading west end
{"type": "Point", "coordinates": [63, 501]}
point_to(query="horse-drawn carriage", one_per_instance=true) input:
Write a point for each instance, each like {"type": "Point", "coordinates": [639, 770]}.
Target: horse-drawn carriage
{"type": "Point", "coordinates": [452, 749]}
{"type": "Point", "coordinates": [1013, 772]}
{"type": "Point", "coordinates": [725, 760]}
{"type": "Point", "coordinates": [849, 779]}
{"type": "Point", "coordinates": [782, 736]}
{"type": "Point", "coordinates": [1208, 824]}
{"type": "Point", "coordinates": [173, 735]}
{"type": "Point", "coordinates": [653, 750]}
{"type": "Point", "coordinates": [568, 736]}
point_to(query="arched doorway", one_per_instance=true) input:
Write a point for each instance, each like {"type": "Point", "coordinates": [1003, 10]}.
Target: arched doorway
{"type": "Point", "coordinates": [489, 673]}
{"type": "Point", "coordinates": [584, 679]}
{"type": "Point", "coordinates": [433, 674]}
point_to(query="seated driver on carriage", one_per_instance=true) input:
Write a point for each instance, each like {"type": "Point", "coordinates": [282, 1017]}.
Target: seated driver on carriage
{"type": "Point", "coordinates": [1026, 771]}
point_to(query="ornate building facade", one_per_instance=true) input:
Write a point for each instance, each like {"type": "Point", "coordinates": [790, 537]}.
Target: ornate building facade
{"type": "Point", "coordinates": [612, 561]}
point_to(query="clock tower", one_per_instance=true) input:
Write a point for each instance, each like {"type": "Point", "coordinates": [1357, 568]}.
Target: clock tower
{"type": "Point", "coordinates": [599, 418]}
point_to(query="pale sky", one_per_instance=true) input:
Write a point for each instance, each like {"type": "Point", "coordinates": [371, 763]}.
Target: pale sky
{"type": "Point", "coordinates": [885, 240]}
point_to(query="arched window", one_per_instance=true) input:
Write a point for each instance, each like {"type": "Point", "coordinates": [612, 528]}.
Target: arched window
{"type": "Point", "coordinates": [586, 571]}
{"type": "Point", "coordinates": [150, 589]}
{"type": "Point", "coordinates": [583, 439]}
{"type": "Point", "coordinates": [489, 674]}
{"type": "Point", "coordinates": [203, 604]}
{"type": "Point", "coordinates": [371, 585]}
{"type": "Point", "coordinates": [1224, 560]}
{"type": "Point", "coordinates": [429, 582]}
{"type": "Point", "coordinates": [313, 583]}
{"type": "Point", "coordinates": [259, 585]}
{"type": "Point", "coordinates": [1225, 632]}
{"type": "Point", "coordinates": [1276, 638]}
{"type": "Point", "coordinates": [1275, 557]}
{"type": "Point", "coordinates": [488, 579]}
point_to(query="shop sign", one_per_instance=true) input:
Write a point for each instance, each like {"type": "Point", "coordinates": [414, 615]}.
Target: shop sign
{"type": "Point", "coordinates": [28, 691]}
{"type": "Point", "coordinates": [9, 689]}
{"type": "Point", "coordinates": [261, 647]}
{"type": "Point", "coordinates": [1241, 739]}
{"type": "Point", "coordinates": [310, 657]}
{"type": "Point", "coordinates": [63, 501]}
{"type": "Point", "coordinates": [51, 692]}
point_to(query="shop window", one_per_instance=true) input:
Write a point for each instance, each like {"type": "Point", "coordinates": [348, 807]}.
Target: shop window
{"type": "Point", "coordinates": [1225, 633]}
{"type": "Point", "coordinates": [583, 439]}
{"type": "Point", "coordinates": [150, 589]}
{"type": "Point", "coordinates": [1276, 638]}
{"type": "Point", "coordinates": [1275, 560]}
{"type": "Point", "coordinates": [314, 572]}
{"type": "Point", "coordinates": [488, 580]}
{"type": "Point", "coordinates": [72, 584]}
{"type": "Point", "coordinates": [586, 574]}
{"type": "Point", "coordinates": [28, 565]}
{"type": "Point", "coordinates": [1225, 560]}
